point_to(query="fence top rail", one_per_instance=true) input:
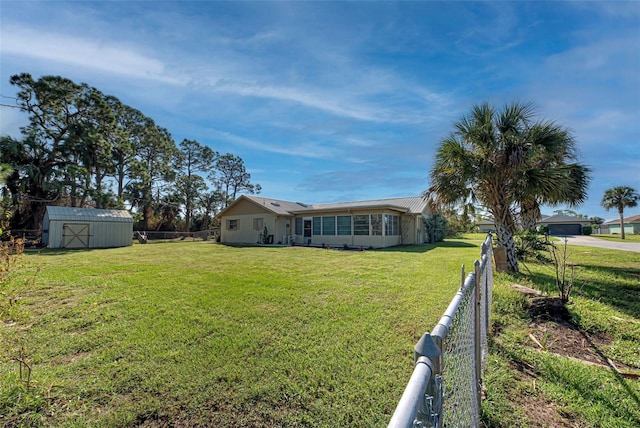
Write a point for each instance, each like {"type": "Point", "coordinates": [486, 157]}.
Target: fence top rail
{"type": "Point", "coordinates": [411, 399]}
{"type": "Point", "coordinates": [450, 312]}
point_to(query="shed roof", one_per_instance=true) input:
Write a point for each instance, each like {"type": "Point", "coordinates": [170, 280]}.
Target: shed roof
{"type": "Point", "coordinates": [88, 214]}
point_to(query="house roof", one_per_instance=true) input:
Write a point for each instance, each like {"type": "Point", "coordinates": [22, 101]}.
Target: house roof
{"type": "Point", "coordinates": [88, 214]}
{"type": "Point", "coordinates": [276, 206]}
{"type": "Point", "coordinates": [632, 219]}
{"type": "Point", "coordinates": [561, 218]}
{"type": "Point", "coordinates": [409, 205]}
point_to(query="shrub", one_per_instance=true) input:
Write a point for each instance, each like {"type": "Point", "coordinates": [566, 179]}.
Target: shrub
{"type": "Point", "coordinates": [435, 227]}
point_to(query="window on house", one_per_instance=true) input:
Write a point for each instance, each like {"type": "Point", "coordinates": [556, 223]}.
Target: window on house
{"type": "Point", "coordinates": [299, 229]}
{"type": "Point", "coordinates": [344, 224]}
{"type": "Point", "coordinates": [258, 224]}
{"type": "Point", "coordinates": [361, 224]}
{"type": "Point", "coordinates": [391, 225]}
{"type": "Point", "coordinates": [376, 224]}
{"type": "Point", "coordinates": [329, 225]}
{"type": "Point", "coordinates": [232, 224]}
{"type": "Point", "coordinates": [317, 228]}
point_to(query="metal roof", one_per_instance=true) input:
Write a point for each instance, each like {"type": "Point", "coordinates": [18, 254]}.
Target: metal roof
{"type": "Point", "coordinates": [632, 219]}
{"type": "Point", "coordinates": [88, 214]}
{"type": "Point", "coordinates": [410, 205]}
{"type": "Point", "coordinates": [276, 206]}
{"type": "Point", "coordinates": [561, 218]}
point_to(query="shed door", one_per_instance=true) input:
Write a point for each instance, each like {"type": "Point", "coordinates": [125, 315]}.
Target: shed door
{"type": "Point", "coordinates": [75, 235]}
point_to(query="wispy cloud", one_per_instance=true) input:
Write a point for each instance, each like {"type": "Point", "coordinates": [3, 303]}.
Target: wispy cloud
{"type": "Point", "coordinates": [304, 150]}
{"type": "Point", "coordinates": [92, 54]}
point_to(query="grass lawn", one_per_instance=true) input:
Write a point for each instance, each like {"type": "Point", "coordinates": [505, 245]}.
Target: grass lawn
{"type": "Point", "coordinates": [533, 384]}
{"type": "Point", "coordinates": [629, 237]}
{"type": "Point", "coordinates": [202, 334]}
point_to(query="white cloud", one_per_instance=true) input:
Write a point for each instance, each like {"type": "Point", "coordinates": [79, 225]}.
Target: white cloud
{"type": "Point", "coordinates": [88, 53]}
{"type": "Point", "coordinates": [305, 150]}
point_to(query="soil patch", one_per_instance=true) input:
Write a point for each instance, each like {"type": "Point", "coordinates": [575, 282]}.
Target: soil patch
{"type": "Point", "coordinates": [552, 330]}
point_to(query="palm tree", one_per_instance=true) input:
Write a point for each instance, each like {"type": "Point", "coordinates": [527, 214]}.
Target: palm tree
{"type": "Point", "coordinates": [490, 158]}
{"type": "Point", "coordinates": [551, 177]}
{"type": "Point", "coordinates": [620, 197]}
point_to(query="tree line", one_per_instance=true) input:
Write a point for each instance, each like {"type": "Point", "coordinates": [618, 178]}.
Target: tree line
{"type": "Point", "coordinates": [83, 148]}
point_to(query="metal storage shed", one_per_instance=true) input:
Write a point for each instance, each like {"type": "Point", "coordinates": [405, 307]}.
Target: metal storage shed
{"type": "Point", "coordinates": [68, 227]}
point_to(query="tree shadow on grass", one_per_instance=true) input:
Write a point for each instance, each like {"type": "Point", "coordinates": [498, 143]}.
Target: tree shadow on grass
{"type": "Point", "coordinates": [423, 248]}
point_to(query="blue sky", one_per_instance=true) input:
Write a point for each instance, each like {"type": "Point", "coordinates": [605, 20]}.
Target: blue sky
{"type": "Point", "coordinates": [339, 101]}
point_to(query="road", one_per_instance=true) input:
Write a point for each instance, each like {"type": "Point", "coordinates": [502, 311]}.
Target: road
{"type": "Point", "coordinates": [590, 241]}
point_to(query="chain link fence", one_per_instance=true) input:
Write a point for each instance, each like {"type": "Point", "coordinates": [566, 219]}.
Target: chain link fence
{"type": "Point", "coordinates": [445, 388]}
{"type": "Point", "coordinates": [149, 236]}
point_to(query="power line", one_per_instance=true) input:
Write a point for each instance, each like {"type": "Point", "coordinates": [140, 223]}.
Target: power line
{"type": "Point", "coordinates": [10, 106]}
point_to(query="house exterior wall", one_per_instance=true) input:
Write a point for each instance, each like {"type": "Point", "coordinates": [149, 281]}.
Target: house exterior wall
{"type": "Point", "coordinates": [486, 228]}
{"type": "Point", "coordinates": [245, 231]}
{"type": "Point", "coordinates": [285, 221]}
{"type": "Point", "coordinates": [410, 231]}
{"type": "Point", "coordinates": [628, 228]}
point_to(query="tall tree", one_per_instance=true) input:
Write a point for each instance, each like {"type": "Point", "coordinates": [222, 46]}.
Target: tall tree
{"type": "Point", "coordinates": [210, 203]}
{"type": "Point", "coordinates": [485, 159]}
{"type": "Point", "coordinates": [69, 119]}
{"type": "Point", "coordinates": [620, 197]}
{"type": "Point", "coordinates": [193, 158]}
{"type": "Point", "coordinates": [5, 202]}
{"type": "Point", "coordinates": [35, 179]}
{"type": "Point", "coordinates": [231, 178]}
{"type": "Point", "coordinates": [155, 155]}
{"type": "Point", "coordinates": [129, 134]}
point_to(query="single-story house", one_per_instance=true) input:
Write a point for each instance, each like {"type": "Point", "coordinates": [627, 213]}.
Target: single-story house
{"type": "Point", "coordinates": [631, 225]}
{"type": "Point", "coordinates": [378, 223]}
{"type": "Point", "coordinates": [557, 225]}
{"type": "Point", "coordinates": [564, 224]}
{"type": "Point", "coordinates": [70, 227]}
{"type": "Point", "coordinates": [486, 226]}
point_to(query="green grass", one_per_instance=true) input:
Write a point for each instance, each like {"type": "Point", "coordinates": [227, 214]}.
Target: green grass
{"type": "Point", "coordinates": [606, 300]}
{"type": "Point", "coordinates": [204, 334]}
{"type": "Point", "coordinates": [629, 237]}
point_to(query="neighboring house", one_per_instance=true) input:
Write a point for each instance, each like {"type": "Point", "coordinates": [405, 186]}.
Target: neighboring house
{"type": "Point", "coordinates": [68, 227]}
{"type": "Point", "coordinates": [631, 225]}
{"type": "Point", "coordinates": [564, 224]}
{"type": "Point", "coordinates": [557, 225]}
{"type": "Point", "coordinates": [601, 229]}
{"type": "Point", "coordinates": [378, 223]}
{"type": "Point", "coordinates": [486, 226]}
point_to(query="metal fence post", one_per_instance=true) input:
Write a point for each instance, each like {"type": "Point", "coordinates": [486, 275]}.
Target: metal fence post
{"type": "Point", "coordinates": [446, 386]}
{"type": "Point", "coordinates": [477, 332]}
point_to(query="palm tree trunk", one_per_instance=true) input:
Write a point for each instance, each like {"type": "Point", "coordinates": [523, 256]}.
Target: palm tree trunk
{"type": "Point", "coordinates": [529, 214]}
{"type": "Point", "coordinates": [621, 224]}
{"type": "Point", "coordinates": [505, 239]}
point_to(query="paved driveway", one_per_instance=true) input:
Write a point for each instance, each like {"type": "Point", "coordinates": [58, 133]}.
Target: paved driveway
{"type": "Point", "coordinates": [590, 241]}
